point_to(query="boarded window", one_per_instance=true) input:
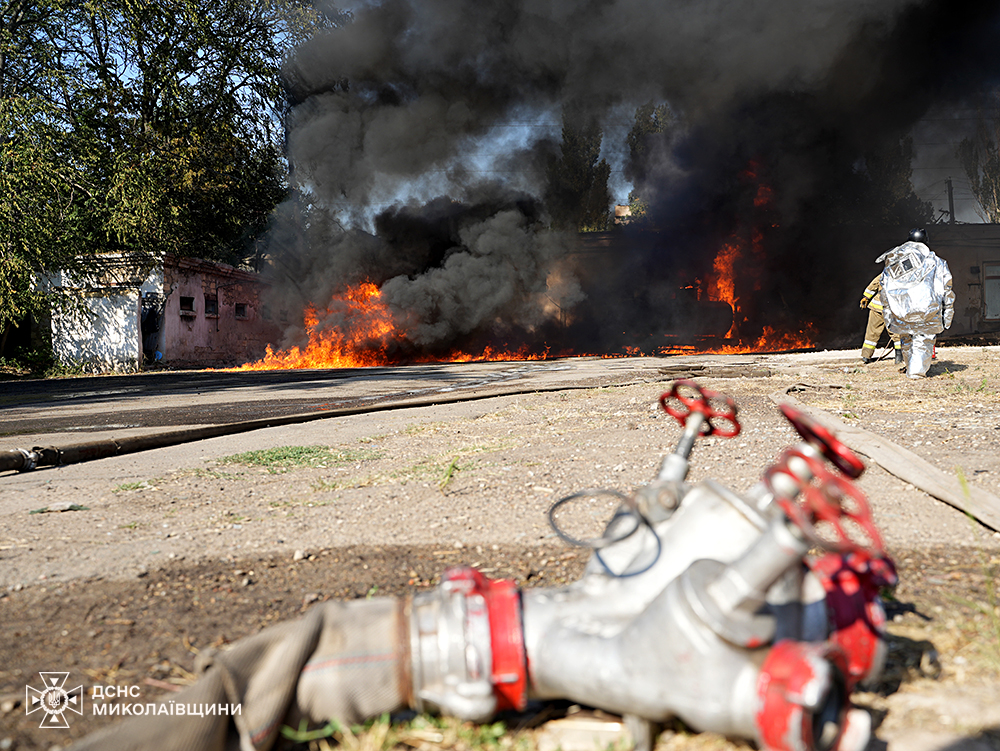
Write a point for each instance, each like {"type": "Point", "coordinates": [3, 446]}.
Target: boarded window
{"type": "Point", "coordinates": [187, 305]}
{"type": "Point", "coordinates": [991, 290]}
{"type": "Point", "coordinates": [241, 310]}
{"type": "Point", "coordinates": [211, 305]}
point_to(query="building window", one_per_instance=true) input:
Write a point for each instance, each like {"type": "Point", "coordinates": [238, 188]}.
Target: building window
{"type": "Point", "coordinates": [265, 312]}
{"type": "Point", "coordinates": [211, 306]}
{"type": "Point", "coordinates": [283, 316]}
{"type": "Point", "coordinates": [241, 310]}
{"type": "Point", "coordinates": [187, 305]}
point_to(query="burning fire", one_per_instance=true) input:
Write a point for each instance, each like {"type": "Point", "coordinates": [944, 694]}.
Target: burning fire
{"type": "Point", "coordinates": [367, 322]}
{"type": "Point", "coordinates": [358, 329]}
{"type": "Point", "coordinates": [722, 284]}
{"type": "Point", "coordinates": [365, 334]}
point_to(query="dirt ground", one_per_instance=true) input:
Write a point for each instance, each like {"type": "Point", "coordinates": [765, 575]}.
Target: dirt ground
{"type": "Point", "coordinates": [182, 548]}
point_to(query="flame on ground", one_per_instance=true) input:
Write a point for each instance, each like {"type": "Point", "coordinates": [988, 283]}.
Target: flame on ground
{"type": "Point", "coordinates": [357, 329]}
{"type": "Point", "coordinates": [722, 286]}
{"type": "Point", "coordinates": [364, 335]}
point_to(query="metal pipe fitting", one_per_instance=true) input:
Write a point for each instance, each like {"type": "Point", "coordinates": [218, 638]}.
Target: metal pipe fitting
{"type": "Point", "coordinates": [19, 460]}
{"type": "Point", "coordinates": [467, 647]}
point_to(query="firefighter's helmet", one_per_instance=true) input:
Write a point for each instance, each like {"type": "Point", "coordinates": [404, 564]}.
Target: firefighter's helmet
{"type": "Point", "coordinates": [918, 235]}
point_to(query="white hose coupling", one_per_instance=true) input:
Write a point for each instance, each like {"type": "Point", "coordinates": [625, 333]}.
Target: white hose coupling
{"type": "Point", "coordinates": [467, 646]}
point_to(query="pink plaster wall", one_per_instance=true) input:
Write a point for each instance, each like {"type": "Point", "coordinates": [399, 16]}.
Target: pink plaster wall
{"type": "Point", "coordinates": [200, 340]}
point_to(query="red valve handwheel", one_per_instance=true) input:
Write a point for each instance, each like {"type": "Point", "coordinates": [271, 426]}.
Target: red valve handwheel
{"type": "Point", "coordinates": [820, 502]}
{"type": "Point", "coordinates": [842, 457]}
{"type": "Point", "coordinates": [700, 402]}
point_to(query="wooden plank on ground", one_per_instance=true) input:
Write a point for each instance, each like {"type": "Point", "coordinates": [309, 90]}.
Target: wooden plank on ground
{"type": "Point", "coordinates": [906, 465]}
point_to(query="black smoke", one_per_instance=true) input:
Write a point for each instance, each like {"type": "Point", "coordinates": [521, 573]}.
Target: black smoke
{"type": "Point", "coordinates": [393, 110]}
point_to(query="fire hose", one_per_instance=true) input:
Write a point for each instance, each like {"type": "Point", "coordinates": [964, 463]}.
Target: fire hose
{"type": "Point", "coordinates": [753, 615]}
{"type": "Point", "coordinates": [25, 460]}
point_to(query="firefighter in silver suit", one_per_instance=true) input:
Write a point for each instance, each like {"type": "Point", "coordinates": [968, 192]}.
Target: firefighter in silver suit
{"type": "Point", "coordinates": [918, 302]}
{"type": "Point", "coordinates": [871, 301]}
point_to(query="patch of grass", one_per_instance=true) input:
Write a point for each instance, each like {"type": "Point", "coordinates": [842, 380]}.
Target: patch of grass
{"type": "Point", "coordinates": [443, 467]}
{"type": "Point", "coordinates": [351, 482]}
{"type": "Point", "coordinates": [141, 485]}
{"type": "Point", "coordinates": [212, 474]}
{"type": "Point", "coordinates": [422, 732]}
{"type": "Point", "coordinates": [448, 473]}
{"type": "Point", "coordinates": [850, 401]}
{"type": "Point", "coordinates": [439, 466]}
{"type": "Point", "coordinates": [284, 458]}
{"type": "Point", "coordinates": [67, 370]}
{"type": "Point", "coordinates": [968, 388]}
{"type": "Point", "coordinates": [416, 429]}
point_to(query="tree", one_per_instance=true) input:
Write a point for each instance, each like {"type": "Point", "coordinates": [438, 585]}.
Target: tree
{"type": "Point", "coordinates": [42, 188]}
{"type": "Point", "coordinates": [577, 196]}
{"type": "Point", "coordinates": [650, 119]}
{"type": "Point", "coordinates": [181, 104]}
{"type": "Point", "coordinates": [890, 195]}
{"type": "Point", "coordinates": [874, 188]}
{"type": "Point", "coordinates": [980, 157]}
{"type": "Point", "coordinates": [131, 126]}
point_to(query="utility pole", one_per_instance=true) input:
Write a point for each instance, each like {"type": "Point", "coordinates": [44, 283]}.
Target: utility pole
{"type": "Point", "coordinates": [951, 202]}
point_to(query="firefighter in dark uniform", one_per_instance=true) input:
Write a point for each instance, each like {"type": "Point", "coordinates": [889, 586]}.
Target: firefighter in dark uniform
{"type": "Point", "coordinates": [876, 324]}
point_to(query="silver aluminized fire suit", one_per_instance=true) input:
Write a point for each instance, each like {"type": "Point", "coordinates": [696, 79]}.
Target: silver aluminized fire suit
{"type": "Point", "coordinates": [918, 301]}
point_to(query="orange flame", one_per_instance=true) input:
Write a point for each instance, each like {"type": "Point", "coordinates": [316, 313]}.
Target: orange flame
{"type": "Point", "coordinates": [723, 280]}
{"type": "Point", "coordinates": [364, 336]}
{"type": "Point", "coordinates": [357, 328]}
{"type": "Point", "coordinates": [722, 284]}
{"type": "Point", "coordinates": [367, 321]}
{"type": "Point", "coordinates": [722, 288]}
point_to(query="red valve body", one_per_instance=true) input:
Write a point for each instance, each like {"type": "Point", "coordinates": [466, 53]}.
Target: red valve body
{"type": "Point", "coordinates": [794, 676]}
{"type": "Point", "coordinates": [857, 617]}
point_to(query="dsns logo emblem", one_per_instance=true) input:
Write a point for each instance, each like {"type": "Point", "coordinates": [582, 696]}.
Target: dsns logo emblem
{"type": "Point", "coordinates": [54, 700]}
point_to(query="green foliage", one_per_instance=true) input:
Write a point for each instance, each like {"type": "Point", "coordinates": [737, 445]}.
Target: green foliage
{"type": "Point", "coordinates": [35, 363]}
{"type": "Point", "coordinates": [980, 158]}
{"type": "Point", "coordinates": [41, 223]}
{"type": "Point", "coordinates": [650, 119]}
{"type": "Point", "coordinates": [138, 126]}
{"type": "Point", "coordinates": [577, 195]}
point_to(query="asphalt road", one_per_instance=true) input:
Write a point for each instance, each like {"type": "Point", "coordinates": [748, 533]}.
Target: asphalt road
{"type": "Point", "coordinates": [62, 411]}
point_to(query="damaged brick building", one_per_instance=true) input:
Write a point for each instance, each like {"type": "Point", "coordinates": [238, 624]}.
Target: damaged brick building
{"type": "Point", "coordinates": [139, 310]}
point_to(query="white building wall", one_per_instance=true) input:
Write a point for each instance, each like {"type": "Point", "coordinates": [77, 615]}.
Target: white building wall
{"type": "Point", "coordinates": [104, 334]}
